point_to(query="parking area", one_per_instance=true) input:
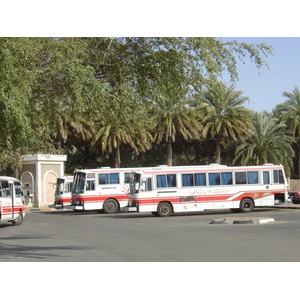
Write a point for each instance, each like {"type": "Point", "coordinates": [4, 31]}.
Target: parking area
{"type": "Point", "coordinates": [141, 237]}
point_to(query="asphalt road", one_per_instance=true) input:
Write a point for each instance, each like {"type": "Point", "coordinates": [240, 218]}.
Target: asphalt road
{"type": "Point", "coordinates": [67, 236]}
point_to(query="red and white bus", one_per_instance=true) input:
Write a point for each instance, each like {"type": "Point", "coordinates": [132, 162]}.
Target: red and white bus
{"type": "Point", "coordinates": [101, 189]}
{"type": "Point", "coordinates": [63, 192]}
{"type": "Point", "coordinates": [12, 208]}
{"type": "Point", "coordinates": [164, 191]}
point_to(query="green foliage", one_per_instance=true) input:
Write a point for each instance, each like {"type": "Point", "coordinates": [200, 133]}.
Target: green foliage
{"type": "Point", "coordinates": [95, 96]}
{"type": "Point", "coordinates": [223, 117]}
{"type": "Point", "coordinates": [269, 142]}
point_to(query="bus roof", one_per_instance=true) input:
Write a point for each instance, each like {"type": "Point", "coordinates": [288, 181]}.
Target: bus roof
{"type": "Point", "coordinates": [8, 178]}
{"type": "Point", "coordinates": [165, 168]}
{"type": "Point", "coordinates": [209, 168]}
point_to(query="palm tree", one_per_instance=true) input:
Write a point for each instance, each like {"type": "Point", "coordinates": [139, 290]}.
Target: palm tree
{"type": "Point", "coordinates": [172, 116]}
{"type": "Point", "coordinates": [289, 113]}
{"type": "Point", "coordinates": [223, 117]}
{"type": "Point", "coordinates": [269, 142]}
{"type": "Point", "coordinates": [122, 122]}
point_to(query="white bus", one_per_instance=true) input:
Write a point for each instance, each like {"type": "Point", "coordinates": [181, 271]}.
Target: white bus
{"type": "Point", "coordinates": [101, 189]}
{"type": "Point", "coordinates": [164, 191]}
{"type": "Point", "coordinates": [12, 208]}
{"type": "Point", "coordinates": [63, 192]}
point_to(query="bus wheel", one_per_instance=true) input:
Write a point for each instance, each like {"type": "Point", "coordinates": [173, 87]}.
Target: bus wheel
{"type": "Point", "coordinates": [18, 221]}
{"type": "Point", "coordinates": [110, 206]}
{"type": "Point", "coordinates": [164, 209]}
{"type": "Point", "coordinates": [246, 205]}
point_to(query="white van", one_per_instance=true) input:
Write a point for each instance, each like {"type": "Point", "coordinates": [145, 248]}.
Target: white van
{"type": "Point", "coordinates": [12, 208]}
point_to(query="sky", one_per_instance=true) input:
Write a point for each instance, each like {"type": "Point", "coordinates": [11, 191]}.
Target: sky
{"type": "Point", "coordinates": [265, 87]}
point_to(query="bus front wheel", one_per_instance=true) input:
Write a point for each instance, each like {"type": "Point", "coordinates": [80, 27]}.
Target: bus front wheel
{"type": "Point", "coordinates": [164, 209]}
{"type": "Point", "coordinates": [246, 205]}
{"type": "Point", "coordinates": [110, 206]}
{"type": "Point", "coordinates": [18, 221]}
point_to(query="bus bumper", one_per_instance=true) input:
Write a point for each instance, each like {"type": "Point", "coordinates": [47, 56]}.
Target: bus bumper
{"type": "Point", "coordinates": [56, 206]}
{"type": "Point", "coordinates": [59, 206]}
{"type": "Point", "coordinates": [75, 207]}
{"type": "Point", "coordinates": [129, 208]}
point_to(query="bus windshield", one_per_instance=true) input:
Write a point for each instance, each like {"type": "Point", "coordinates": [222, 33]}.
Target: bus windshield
{"type": "Point", "coordinates": [59, 186]}
{"type": "Point", "coordinates": [79, 183]}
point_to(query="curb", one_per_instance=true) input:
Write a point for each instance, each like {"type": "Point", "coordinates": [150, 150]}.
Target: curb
{"type": "Point", "coordinates": [242, 221]}
{"type": "Point", "coordinates": [38, 209]}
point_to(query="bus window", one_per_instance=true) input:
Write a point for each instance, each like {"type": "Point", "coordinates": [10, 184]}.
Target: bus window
{"type": "Point", "coordinates": [214, 178]}
{"type": "Point", "coordinates": [187, 179]}
{"type": "Point", "coordinates": [18, 189]}
{"type": "Point", "coordinates": [281, 176]}
{"type": "Point", "coordinates": [5, 191]}
{"type": "Point", "coordinates": [240, 178]}
{"type": "Point", "coordinates": [127, 177]}
{"type": "Point", "coordinates": [200, 179]}
{"type": "Point", "coordinates": [226, 178]}
{"type": "Point", "coordinates": [109, 178]}
{"type": "Point", "coordinates": [266, 177]}
{"type": "Point", "coordinates": [163, 181]}
{"type": "Point", "coordinates": [90, 185]}
{"type": "Point", "coordinates": [252, 177]}
{"type": "Point", "coordinates": [278, 176]}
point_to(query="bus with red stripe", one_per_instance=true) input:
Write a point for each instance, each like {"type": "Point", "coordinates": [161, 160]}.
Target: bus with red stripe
{"type": "Point", "coordinates": [63, 192]}
{"type": "Point", "coordinates": [12, 208]}
{"type": "Point", "coordinates": [163, 191]}
{"type": "Point", "coordinates": [104, 189]}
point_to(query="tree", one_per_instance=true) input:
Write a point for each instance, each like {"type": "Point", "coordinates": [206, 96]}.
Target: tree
{"type": "Point", "coordinates": [172, 117]}
{"type": "Point", "coordinates": [124, 123]}
{"type": "Point", "coordinates": [223, 116]}
{"type": "Point", "coordinates": [289, 113]}
{"type": "Point", "coordinates": [46, 83]}
{"type": "Point", "coordinates": [269, 142]}
{"type": "Point", "coordinates": [17, 64]}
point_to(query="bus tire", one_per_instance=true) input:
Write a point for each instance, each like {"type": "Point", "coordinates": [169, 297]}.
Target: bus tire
{"type": "Point", "coordinates": [110, 206]}
{"type": "Point", "coordinates": [246, 205]}
{"type": "Point", "coordinates": [18, 221]}
{"type": "Point", "coordinates": [164, 209]}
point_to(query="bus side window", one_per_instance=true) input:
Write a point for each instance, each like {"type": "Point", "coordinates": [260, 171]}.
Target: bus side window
{"type": "Point", "coordinates": [214, 178]}
{"type": "Point", "coordinates": [90, 185]}
{"type": "Point", "coordinates": [127, 177]}
{"type": "Point", "coordinates": [281, 177]}
{"type": "Point", "coordinates": [146, 185]}
{"type": "Point", "coordinates": [240, 178]}
{"type": "Point", "coordinates": [226, 178]}
{"type": "Point", "coordinates": [266, 177]}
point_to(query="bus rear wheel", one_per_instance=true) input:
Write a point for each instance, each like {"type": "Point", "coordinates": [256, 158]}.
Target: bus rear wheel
{"type": "Point", "coordinates": [164, 209]}
{"type": "Point", "coordinates": [246, 205]}
{"type": "Point", "coordinates": [110, 206]}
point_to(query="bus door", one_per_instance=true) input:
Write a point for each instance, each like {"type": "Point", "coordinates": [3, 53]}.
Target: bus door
{"type": "Point", "coordinates": [90, 201]}
{"type": "Point", "coordinates": [12, 197]}
{"type": "Point", "coordinates": [146, 184]}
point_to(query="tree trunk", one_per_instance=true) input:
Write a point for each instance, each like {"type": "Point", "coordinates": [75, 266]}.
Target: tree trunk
{"type": "Point", "coordinates": [117, 157]}
{"type": "Point", "coordinates": [218, 150]}
{"type": "Point", "coordinates": [169, 153]}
